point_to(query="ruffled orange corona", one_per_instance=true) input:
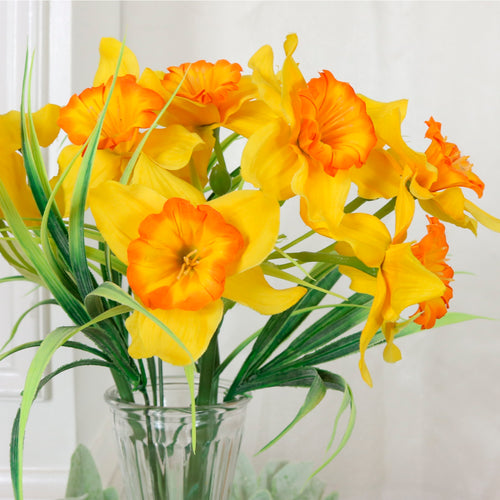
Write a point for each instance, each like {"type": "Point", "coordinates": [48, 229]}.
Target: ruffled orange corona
{"type": "Point", "coordinates": [335, 129]}
{"type": "Point", "coordinates": [182, 256]}
{"type": "Point", "coordinates": [431, 251]}
{"type": "Point", "coordinates": [205, 82]}
{"type": "Point", "coordinates": [454, 170]}
{"type": "Point", "coordinates": [131, 108]}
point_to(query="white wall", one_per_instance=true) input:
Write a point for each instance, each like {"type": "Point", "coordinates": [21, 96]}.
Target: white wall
{"type": "Point", "coordinates": [429, 428]}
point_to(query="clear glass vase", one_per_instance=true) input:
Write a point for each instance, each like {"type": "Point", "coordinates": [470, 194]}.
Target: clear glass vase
{"type": "Point", "coordinates": [156, 450]}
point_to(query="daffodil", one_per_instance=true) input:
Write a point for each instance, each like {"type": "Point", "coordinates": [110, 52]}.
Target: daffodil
{"type": "Point", "coordinates": [319, 133]}
{"type": "Point", "coordinates": [132, 109]}
{"type": "Point", "coordinates": [212, 95]}
{"type": "Point", "coordinates": [184, 254]}
{"type": "Point", "coordinates": [435, 178]}
{"type": "Point", "coordinates": [409, 275]}
{"type": "Point", "coordinates": [12, 172]}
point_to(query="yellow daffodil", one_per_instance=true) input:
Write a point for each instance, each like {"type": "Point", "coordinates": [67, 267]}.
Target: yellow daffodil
{"type": "Point", "coordinates": [409, 275]}
{"type": "Point", "coordinates": [184, 254]}
{"type": "Point", "coordinates": [12, 172]}
{"type": "Point", "coordinates": [132, 109]}
{"type": "Point", "coordinates": [319, 133]}
{"type": "Point", "coordinates": [435, 178]}
{"type": "Point", "coordinates": [212, 95]}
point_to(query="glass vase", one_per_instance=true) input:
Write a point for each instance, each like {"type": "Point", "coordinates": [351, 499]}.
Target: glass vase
{"type": "Point", "coordinates": [156, 452]}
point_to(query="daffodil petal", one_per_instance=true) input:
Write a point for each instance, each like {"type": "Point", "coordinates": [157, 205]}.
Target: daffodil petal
{"type": "Point", "coordinates": [46, 127]}
{"type": "Point", "coordinates": [269, 160]}
{"type": "Point", "coordinates": [322, 197]}
{"type": "Point", "coordinates": [172, 147]}
{"type": "Point", "coordinates": [360, 281]}
{"type": "Point", "coordinates": [106, 167]}
{"type": "Point", "coordinates": [256, 216]}
{"type": "Point", "coordinates": [251, 289]}
{"type": "Point", "coordinates": [147, 173]}
{"type": "Point", "coordinates": [262, 64]}
{"type": "Point", "coordinates": [410, 282]}
{"type": "Point", "coordinates": [109, 49]}
{"type": "Point", "coordinates": [373, 323]}
{"type": "Point", "coordinates": [379, 177]}
{"type": "Point", "coordinates": [366, 234]}
{"type": "Point", "coordinates": [118, 211]}
{"type": "Point", "coordinates": [392, 353]}
{"type": "Point", "coordinates": [449, 206]}
{"type": "Point", "coordinates": [193, 328]}
{"type": "Point", "coordinates": [483, 217]}
{"type": "Point", "coordinates": [13, 176]}
{"type": "Point", "coordinates": [405, 209]}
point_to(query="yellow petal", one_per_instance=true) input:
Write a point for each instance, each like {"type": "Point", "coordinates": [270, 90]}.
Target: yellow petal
{"type": "Point", "coordinates": [373, 323]}
{"type": "Point", "coordinates": [149, 174]}
{"type": "Point", "coordinates": [366, 234]}
{"type": "Point", "coordinates": [269, 86]}
{"type": "Point", "coordinates": [172, 147]}
{"type": "Point", "coordinates": [256, 216]}
{"type": "Point", "coordinates": [387, 119]}
{"type": "Point", "coordinates": [45, 121]}
{"type": "Point", "coordinates": [392, 354]}
{"type": "Point", "coordinates": [251, 289]}
{"type": "Point", "coordinates": [109, 49]}
{"type": "Point", "coordinates": [405, 209]}
{"type": "Point", "coordinates": [193, 328]}
{"type": "Point", "coordinates": [483, 217]}
{"type": "Point", "coordinates": [409, 281]}
{"type": "Point", "coordinates": [360, 281]}
{"type": "Point", "coordinates": [323, 197]}
{"type": "Point", "coordinates": [449, 206]}
{"type": "Point", "coordinates": [118, 211]}
{"type": "Point", "coordinates": [379, 177]}
{"type": "Point", "coordinates": [251, 116]}
{"type": "Point", "coordinates": [107, 166]}
{"type": "Point", "coordinates": [269, 160]}
{"type": "Point", "coordinates": [13, 176]}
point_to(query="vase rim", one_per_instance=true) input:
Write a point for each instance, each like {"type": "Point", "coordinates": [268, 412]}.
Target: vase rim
{"type": "Point", "coordinates": [112, 397]}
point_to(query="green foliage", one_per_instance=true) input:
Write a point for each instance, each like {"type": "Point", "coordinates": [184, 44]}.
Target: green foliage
{"type": "Point", "coordinates": [84, 482]}
{"type": "Point", "coordinates": [277, 481]}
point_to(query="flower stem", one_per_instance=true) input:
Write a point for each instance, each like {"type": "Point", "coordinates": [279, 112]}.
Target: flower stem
{"type": "Point", "coordinates": [209, 379]}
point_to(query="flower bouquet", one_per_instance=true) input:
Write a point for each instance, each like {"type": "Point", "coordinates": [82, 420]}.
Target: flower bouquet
{"type": "Point", "coordinates": [181, 235]}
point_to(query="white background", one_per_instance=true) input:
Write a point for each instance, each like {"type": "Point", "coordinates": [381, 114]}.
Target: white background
{"type": "Point", "coordinates": [430, 428]}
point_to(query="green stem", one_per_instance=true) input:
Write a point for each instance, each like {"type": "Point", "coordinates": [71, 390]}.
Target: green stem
{"type": "Point", "coordinates": [235, 353]}
{"type": "Point", "coordinates": [354, 204]}
{"type": "Point", "coordinates": [152, 377]}
{"type": "Point", "coordinates": [298, 240]}
{"type": "Point", "coordinates": [218, 149]}
{"type": "Point", "coordinates": [208, 364]}
{"type": "Point", "coordinates": [386, 209]}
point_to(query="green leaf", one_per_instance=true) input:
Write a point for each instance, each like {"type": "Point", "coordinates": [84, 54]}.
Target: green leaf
{"type": "Point", "coordinates": [20, 319]}
{"type": "Point", "coordinates": [73, 307]}
{"type": "Point", "coordinates": [279, 327]}
{"type": "Point", "coordinates": [290, 481]}
{"type": "Point", "coordinates": [48, 347]}
{"type": "Point", "coordinates": [245, 479]}
{"type": "Point", "coordinates": [35, 168]}
{"type": "Point", "coordinates": [327, 328]}
{"type": "Point", "coordinates": [110, 494]}
{"type": "Point", "coordinates": [314, 396]}
{"type": "Point", "coordinates": [189, 371]}
{"type": "Point", "coordinates": [84, 476]}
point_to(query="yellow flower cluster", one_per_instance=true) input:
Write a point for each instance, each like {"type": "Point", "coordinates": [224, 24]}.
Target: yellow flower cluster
{"type": "Point", "coordinates": [194, 235]}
